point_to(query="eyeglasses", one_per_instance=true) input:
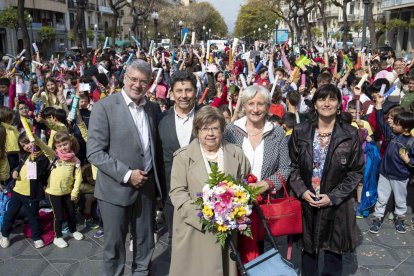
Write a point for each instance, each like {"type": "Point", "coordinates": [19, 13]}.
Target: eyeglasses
{"type": "Point", "coordinates": [137, 81]}
{"type": "Point", "coordinates": [23, 108]}
{"type": "Point", "coordinates": [208, 129]}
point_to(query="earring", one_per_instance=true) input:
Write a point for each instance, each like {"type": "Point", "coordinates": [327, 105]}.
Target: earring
{"type": "Point", "coordinates": [338, 111]}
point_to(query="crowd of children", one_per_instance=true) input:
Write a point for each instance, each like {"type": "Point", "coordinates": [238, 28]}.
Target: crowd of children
{"type": "Point", "coordinates": [45, 107]}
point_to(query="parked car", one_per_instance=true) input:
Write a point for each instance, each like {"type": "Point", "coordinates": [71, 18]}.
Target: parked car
{"type": "Point", "coordinates": [384, 51]}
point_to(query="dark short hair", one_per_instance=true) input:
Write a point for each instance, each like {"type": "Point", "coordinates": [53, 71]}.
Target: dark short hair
{"type": "Point", "coordinates": [376, 86]}
{"type": "Point", "coordinates": [346, 117]}
{"type": "Point", "coordinates": [352, 104]}
{"type": "Point", "coordinates": [405, 119]}
{"type": "Point", "coordinates": [207, 115]}
{"type": "Point", "coordinates": [293, 97]}
{"type": "Point", "coordinates": [327, 90]}
{"type": "Point", "coordinates": [180, 76]}
{"type": "Point", "coordinates": [4, 81]}
{"type": "Point", "coordinates": [289, 119]}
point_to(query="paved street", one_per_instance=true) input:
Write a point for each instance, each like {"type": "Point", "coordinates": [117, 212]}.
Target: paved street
{"type": "Point", "coordinates": [386, 253]}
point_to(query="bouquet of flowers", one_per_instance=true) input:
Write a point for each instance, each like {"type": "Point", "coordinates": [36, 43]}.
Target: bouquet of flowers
{"type": "Point", "coordinates": [226, 204]}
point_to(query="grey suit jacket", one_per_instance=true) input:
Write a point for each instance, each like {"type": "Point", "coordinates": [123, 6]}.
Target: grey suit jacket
{"type": "Point", "coordinates": [114, 147]}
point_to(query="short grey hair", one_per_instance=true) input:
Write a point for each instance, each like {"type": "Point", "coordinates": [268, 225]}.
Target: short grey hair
{"type": "Point", "coordinates": [251, 91]}
{"type": "Point", "coordinates": [140, 65]}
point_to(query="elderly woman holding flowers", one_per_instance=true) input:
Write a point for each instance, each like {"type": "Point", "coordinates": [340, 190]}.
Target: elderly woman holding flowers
{"type": "Point", "coordinates": [196, 251]}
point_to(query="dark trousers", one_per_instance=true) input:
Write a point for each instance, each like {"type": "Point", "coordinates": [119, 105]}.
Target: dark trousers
{"type": "Point", "coordinates": [168, 216]}
{"type": "Point", "coordinates": [137, 218]}
{"type": "Point", "coordinates": [60, 205]}
{"type": "Point", "coordinates": [30, 209]}
{"type": "Point", "coordinates": [332, 264]}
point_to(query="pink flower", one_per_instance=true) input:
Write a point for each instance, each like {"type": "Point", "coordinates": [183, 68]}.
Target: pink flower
{"type": "Point", "coordinates": [227, 198]}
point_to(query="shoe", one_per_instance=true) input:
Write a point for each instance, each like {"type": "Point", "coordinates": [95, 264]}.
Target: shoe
{"type": "Point", "coordinates": [391, 216]}
{"type": "Point", "coordinates": [131, 245]}
{"type": "Point", "coordinates": [39, 244]}
{"type": "Point", "coordinates": [60, 242]}
{"type": "Point", "coordinates": [90, 223]}
{"type": "Point", "coordinates": [412, 220]}
{"type": "Point", "coordinates": [4, 242]}
{"type": "Point", "coordinates": [77, 235]}
{"type": "Point", "coordinates": [99, 234]}
{"type": "Point", "coordinates": [376, 226]}
{"type": "Point", "coordinates": [400, 226]}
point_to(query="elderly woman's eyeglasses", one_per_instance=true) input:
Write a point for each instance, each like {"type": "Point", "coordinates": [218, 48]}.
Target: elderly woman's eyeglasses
{"type": "Point", "coordinates": [137, 81]}
{"type": "Point", "coordinates": [205, 130]}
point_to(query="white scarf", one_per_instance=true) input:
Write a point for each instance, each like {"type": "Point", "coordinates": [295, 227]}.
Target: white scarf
{"type": "Point", "coordinates": [220, 159]}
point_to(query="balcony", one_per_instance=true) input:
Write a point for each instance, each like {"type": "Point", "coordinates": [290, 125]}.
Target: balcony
{"type": "Point", "coordinates": [73, 5]}
{"type": "Point", "coordinates": [396, 4]}
{"type": "Point", "coordinates": [106, 10]}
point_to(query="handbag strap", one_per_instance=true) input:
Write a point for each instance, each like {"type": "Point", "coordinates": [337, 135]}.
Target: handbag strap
{"type": "Point", "coordinates": [283, 182]}
{"type": "Point", "coordinates": [266, 227]}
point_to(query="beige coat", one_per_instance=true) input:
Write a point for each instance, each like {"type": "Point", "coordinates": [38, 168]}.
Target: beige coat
{"type": "Point", "coordinates": [196, 252]}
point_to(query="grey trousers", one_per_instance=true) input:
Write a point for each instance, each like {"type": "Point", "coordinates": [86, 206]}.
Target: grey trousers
{"type": "Point", "coordinates": [118, 220]}
{"type": "Point", "coordinates": [399, 188]}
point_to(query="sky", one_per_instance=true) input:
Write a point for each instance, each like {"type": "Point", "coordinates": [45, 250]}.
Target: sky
{"type": "Point", "coordinates": [229, 9]}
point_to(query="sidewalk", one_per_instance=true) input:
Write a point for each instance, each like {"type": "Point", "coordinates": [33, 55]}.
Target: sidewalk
{"type": "Point", "coordinates": [387, 253]}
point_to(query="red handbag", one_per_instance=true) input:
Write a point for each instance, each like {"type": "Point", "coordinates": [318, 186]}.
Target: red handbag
{"type": "Point", "coordinates": [283, 215]}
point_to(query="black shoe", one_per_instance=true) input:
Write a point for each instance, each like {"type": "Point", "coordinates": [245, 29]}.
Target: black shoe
{"type": "Point", "coordinates": [376, 226]}
{"type": "Point", "coordinates": [400, 226]}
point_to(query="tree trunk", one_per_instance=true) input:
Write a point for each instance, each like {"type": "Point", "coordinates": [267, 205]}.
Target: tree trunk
{"type": "Point", "coordinates": [346, 27]}
{"type": "Point", "coordinates": [371, 27]}
{"type": "Point", "coordinates": [23, 27]}
{"type": "Point", "coordinates": [308, 30]}
{"type": "Point", "coordinates": [76, 25]}
{"type": "Point", "coordinates": [322, 8]}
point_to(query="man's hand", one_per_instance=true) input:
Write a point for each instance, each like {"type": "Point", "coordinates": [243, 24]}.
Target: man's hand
{"type": "Point", "coordinates": [138, 178]}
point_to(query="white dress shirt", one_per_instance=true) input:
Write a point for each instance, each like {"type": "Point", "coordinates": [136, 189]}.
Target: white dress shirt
{"type": "Point", "coordinates": [255, 156]}
{"type": "Point", "coordinates": [184, 127]}
{"type": "Point", "coordinates": [141, 122]}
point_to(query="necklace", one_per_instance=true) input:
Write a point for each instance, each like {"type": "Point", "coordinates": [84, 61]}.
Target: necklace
{"type": "Point", "coordinates": [259, 132]}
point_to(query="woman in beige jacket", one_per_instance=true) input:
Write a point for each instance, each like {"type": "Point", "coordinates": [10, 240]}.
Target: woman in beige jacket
{"type": "Point", "coordinates": [194, 250]}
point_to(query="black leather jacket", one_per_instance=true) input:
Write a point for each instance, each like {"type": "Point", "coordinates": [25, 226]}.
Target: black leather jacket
{"type": "Point", "coordinates": [334, 227]}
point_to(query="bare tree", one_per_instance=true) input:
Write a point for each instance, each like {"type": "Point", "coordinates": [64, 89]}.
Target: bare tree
{"type": "Point", "coordinates": [371, 26]}
{"type": "Point", "coordinates": [140, 10]}
{"type": "Point", "coordinates": [79, 25]}
{"type": "Point", "coordinates": [22, 24]}
{"type": "Point", "coordinates": [322, 4]}
{"type": "Point", "coordinates": [343, 6]}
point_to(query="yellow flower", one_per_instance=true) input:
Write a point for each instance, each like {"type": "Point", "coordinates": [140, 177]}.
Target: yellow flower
{"type": "Point", "coordinates": [222, 228]}
{"type": "Point", "coordinates": [207, 211]}
{"type": "Point", "coordinates": [241, 211]}
{"type": "Point", "coordinates": [231, 184]}
{"type": "Point", "coordinates": [241, 197]}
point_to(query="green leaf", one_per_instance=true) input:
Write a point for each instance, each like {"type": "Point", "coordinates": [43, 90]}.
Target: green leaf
{"type": "Point", "coordinates": [46, 33]}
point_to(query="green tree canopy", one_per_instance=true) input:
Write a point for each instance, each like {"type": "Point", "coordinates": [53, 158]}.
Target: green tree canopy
{"type": "Point", "coordinates": [9, 19]}
{"type": "Point", "coordinates": [252, 16]}
{"type": "Point", "coordinates": [316, 32]}
{"type": "Point", "coordinates": [357, 26]}
{"type": "Point", "coordinates": [396, 23]}
{"type": "Point", "coordinates": [46, 33]}
{"type": "Point", "coordinates": [194, 17]}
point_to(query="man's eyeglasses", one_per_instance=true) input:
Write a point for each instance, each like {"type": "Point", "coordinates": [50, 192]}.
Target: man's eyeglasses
{"type": "Point", "coordinates": [23, 108]}
{"type": "Point", "coordinates": [137, 81]}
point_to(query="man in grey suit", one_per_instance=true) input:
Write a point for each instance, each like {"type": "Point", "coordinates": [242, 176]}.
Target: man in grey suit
{"type": "Point", "coordinates": [175, 130]}
{"type": "Point", "coordinates": [122, 145]}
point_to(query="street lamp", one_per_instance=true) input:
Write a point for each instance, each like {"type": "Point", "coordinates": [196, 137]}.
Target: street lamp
{"type": "Point", "coordinates": [204, 28]}
{"type": "Point", "coordinates": [155, 16]}
{"type": "Point", "coordinates": [30, 19]}
{"type": "Point", "coordinates": [254, 34]}
{"type": "Point", "coordinates": [260, 35]}
{"type": "Point", "coordinates": [266, 33]}
{"type": "Point", "coordinates": [180, 24]}
{"type": "Point", "coordinates": [364, 30]}
{"type": "Point", "coordinates": [276, 29]}
{"type": "Point", "coordinates": [95, 41]}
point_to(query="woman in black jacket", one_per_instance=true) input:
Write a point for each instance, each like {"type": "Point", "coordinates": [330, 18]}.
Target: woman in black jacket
{"type": "Point", "coordinates": [327, 165]}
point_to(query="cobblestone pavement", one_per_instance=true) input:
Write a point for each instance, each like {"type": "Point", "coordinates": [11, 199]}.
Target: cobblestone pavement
{"type": "Point", "coordinates": [387, 253]}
